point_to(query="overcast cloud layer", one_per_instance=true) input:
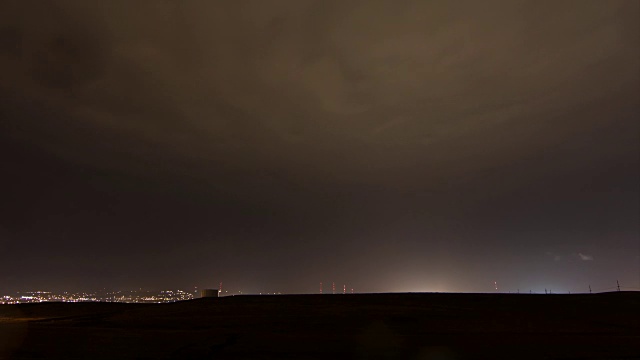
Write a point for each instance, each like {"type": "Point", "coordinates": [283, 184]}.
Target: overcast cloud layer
{"type": "Point", "coordinates": [428, 144]}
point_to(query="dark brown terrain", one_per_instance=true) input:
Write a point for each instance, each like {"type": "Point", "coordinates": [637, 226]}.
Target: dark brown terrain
{"type": "Point", "coordinates": [367, 326]}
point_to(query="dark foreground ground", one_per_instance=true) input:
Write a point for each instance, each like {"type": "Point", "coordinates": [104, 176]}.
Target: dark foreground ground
{"type": "Point", "coordinates": [367, 326]}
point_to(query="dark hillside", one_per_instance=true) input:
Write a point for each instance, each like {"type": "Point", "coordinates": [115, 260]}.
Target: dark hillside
{"type": "Point", "coordinates": [378, 326]}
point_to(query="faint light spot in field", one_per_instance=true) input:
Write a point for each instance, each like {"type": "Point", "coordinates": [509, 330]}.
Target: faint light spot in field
{"type": "Point", "coordinates": [378, 341]}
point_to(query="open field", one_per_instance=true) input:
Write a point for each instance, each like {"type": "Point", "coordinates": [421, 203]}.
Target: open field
{"type": "Point", "coordinates": [367, 326]}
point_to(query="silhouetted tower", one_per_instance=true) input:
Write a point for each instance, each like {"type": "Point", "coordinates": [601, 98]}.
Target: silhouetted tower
{"type": "Point", "coordinates": [617, 282]}
{"type": "Point", "coordinates": [589, 289]}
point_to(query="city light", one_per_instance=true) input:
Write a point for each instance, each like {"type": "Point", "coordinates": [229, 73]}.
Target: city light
{"type": "Point", "coordinates": [140, 296]}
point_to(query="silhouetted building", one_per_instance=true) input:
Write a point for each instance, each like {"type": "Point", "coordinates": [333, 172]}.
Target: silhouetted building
{"type": "Point", "coordinates": [209, 293]}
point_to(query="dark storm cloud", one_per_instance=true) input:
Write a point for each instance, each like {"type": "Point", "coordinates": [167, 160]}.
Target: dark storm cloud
{"type": "Point", "coordinates": [417, 116]}
{"type": "Point", "coordinates": [201, 79]}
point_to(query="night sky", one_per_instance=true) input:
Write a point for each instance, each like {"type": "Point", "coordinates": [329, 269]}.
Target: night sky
{"type": "Point", "coordinates": [271, 145]}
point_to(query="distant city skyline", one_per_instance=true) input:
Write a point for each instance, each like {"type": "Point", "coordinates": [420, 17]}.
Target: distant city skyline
{"type": "Point", "coordinates": [195, 292]}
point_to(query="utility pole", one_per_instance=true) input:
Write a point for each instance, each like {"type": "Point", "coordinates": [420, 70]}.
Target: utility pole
{"type": "Point", "coordinates": [617, 282]}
